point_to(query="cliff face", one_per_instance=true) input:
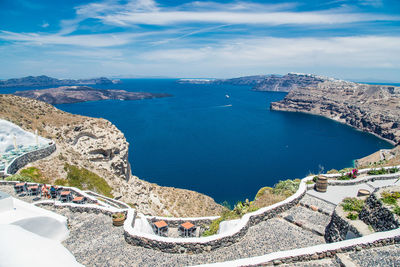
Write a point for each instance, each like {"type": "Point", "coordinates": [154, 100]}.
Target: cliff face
{"type": "Point", "coordinates": [97, 145]}
{"type": "Point", "coordinates": [370, 108]}
{"type": "Point", "coordinates": [35, 81]}
{"type": "Point", "coordinates": [272, 82]}
{"type": "Point", "coordinates": [74, 94]}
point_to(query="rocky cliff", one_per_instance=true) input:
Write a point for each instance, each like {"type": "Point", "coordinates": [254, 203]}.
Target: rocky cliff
{"type": "Point", "coordinates": [43, 80]}
{"type": "Point", "coordinates": [271, 82]}
{"type": "Point", "coordinates": [97, 145]}
{"type": "Point", "coordinates": [370, 108]}
{"type": "Point", "coordinates": [74, 94]}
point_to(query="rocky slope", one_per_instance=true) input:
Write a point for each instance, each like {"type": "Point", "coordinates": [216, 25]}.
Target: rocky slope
{"type": "Point", "coordinates": [36, 81]}
{"type": "Point", "coordinates": [270, 82]}
{"type": "Point", "coordinates": [74, 94]}
{"type": "Point", "coordinates": [97, 145]}
{"type": "Point", "coordinates": [370, 108]}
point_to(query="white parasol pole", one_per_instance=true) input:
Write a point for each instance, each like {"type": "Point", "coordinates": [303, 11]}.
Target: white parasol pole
{"type": "Point", "coordinates": [37, 138]}
{"type": "Point", "coordinates": [15, 142]}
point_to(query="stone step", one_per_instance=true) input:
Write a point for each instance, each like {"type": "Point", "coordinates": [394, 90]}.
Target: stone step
{"type": "Point", "coordinates": [320, 205]}
{"type": "Point", "coordinates": [308, 219]}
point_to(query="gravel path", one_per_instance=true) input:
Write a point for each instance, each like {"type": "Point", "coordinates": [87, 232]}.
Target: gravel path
{"type": "Point", "coordinates": [95, 242]}
{"type": "Point", "coordinates": [316, 263]}
{"type": "Point", "coordinates": [323, 206]}
{"type": "Point", "coordinates": [308, 219]}
{"type": "Point", "coordinates": [377, 257]}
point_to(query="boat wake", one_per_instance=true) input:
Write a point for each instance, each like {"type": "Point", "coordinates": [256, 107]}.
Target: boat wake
{"type": "Point", "coordinates": [224, 106]}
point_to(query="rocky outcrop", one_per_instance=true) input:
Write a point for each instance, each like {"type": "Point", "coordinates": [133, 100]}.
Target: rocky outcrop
{"type": "Point", "coordinates": [32, 81]}
{"type": "Point", "coordinates": [370, 108]}
{"type": "Point", "coordinates": [270, 82]}
{"type": "Point", "coordinates": [377, 215]}
{"type": "Point", "coordinates": [74, 94]}
{"type": "Point", "coordinates": [97, 145]}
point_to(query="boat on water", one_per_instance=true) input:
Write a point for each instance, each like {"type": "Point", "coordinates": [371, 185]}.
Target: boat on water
{"type": "Point", "coordinates": [227, 96]}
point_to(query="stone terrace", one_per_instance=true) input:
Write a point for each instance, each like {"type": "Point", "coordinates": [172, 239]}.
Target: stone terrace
{"type": "Point", "coordinates": [94, 241]}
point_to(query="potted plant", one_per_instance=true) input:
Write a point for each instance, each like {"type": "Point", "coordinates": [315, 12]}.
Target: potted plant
{"type": "Point", "coordinates": [118, 219]}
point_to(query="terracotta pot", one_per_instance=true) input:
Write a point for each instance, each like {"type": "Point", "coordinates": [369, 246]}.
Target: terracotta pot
{"type": "Point", "coordinates": [118, 221]}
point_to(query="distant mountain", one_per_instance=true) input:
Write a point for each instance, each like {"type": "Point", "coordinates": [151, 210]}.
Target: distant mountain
{"type": "Point", "coordinates": [272, 82]}
{"type": "Point", "coordinates": [75, 94]}
{"type": "Point", "coordinates": [38, 81]}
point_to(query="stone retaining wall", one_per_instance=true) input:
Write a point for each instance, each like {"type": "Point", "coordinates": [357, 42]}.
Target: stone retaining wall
{"type": "Point", "coordinates": [28, 157]}
{"type": "Point", "coordinates": [331, 253]}
{"type": "Point", "coordinates": [173, 222]}
{"type": "Point", "coordinates": [118, 203]}
{"type": "Point", "coordinates": [319, 251]}
{"type": "Point", "coordinates": [338, 228]}
{"type": "Point", "coordinates": [377, 215]}
{"type": "Point", "coordinates": [80, 207]}
{"type": "Point", "coordinates": [206, 244]}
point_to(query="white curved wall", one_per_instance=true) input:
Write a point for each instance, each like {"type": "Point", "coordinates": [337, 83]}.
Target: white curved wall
{"type": "Point", "coordinates": [19, 247]}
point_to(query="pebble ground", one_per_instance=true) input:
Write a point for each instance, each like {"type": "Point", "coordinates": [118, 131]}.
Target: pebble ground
{"type": "Point", "coordinates": [95, 242]}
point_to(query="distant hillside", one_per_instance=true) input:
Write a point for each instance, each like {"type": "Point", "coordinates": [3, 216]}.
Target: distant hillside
{"type": "Point", "coordinates": [370, 108]}
{"type": "Point", "coordinates": [271, 82]}
{"type": "Point", "coordinates": [75, 94]}
{"type": "Point", "coordinates": [43, 80]}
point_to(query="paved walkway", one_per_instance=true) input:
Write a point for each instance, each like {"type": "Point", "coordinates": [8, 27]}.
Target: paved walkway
{"type": "Point", "coordinates": [95, 242]}
{"type": "Point", "coordinates": [335, 194]}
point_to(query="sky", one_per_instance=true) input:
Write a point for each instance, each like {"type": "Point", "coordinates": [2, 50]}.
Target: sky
{"type": "Point", "coordinates": [348, 39]}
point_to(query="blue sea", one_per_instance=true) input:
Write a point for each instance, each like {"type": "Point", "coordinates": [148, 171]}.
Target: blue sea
{"type": "Point", "coordinates": [227, 148]}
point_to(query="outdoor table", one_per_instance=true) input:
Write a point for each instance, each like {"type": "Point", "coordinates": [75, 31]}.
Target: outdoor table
{"type": "Point", "coordinates": [187, 228]}
{"type": "Point", "coordinates": [78, 200]}
{"type": "Point", "coordinates": [160, 226]}
{"type": "Point", "coordinates": [19, 187]}
{"type": "Point", "coordinates": [33, 190]}
{"type": "Point", "coordinates": [65, 196]}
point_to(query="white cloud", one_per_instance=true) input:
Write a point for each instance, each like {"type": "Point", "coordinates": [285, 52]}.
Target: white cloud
{"type": "Point", "coordinates": [45, 24]}
{"type": "Point", "coordinates": [358, 52]}
{"type": "Point", "coordinates": [148, 12]}
{"type": "Point", "coordinates": [374, 3]}
{"type": "Point", "coordinates": [89, 40]}
{"type": "Point", "coordinates": [271, 18]}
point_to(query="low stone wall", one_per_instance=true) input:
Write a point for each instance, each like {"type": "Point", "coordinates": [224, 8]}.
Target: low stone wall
{"type": "Point", "coordinates": [338, 228]}
{"type": "Point", "coordinates": [319, 251]}
{"type": "Point", "coordinates": [206, 244]}
{"type": "Point", "coordinates": [28, 157]}
{"type": "Point", "coordinates": [175, 222]}
{"type": "Point", "coordinates": [89, 208]}
{"type": "Point", "coordinates": [377, 215]}
{"type": "Point", "coordinates": [118, 203]}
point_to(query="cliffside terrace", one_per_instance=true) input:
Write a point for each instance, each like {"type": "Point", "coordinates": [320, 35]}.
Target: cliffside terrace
{"type": "Point", "coordinates": [293, 230]}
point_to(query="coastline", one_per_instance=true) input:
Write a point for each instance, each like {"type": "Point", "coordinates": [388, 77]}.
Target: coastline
{"type": "Point", "coordinates": [338, 121]}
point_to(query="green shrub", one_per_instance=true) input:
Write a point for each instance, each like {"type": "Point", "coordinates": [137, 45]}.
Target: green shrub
{"type": "Point", "coordinates": [390, 198]}
{"type": "Point", "coordinates": [35, 174]}
{"type": "Point", "coordinates": [396, 210]}
{"type": "Point", "coordinates": [346, 170]}
{"type": "Point", "coordinates": [262, 191]}
{"type": "Point", "coordinates": [352, 204]}
{"type": "Point", "coordinates": [310, 182]}
{"type": "Point", "coordinates": [18, 177]}
{"type": "Point", "coordinates": [344, 177]}
{"type": "Point", "coordinates": [352, 216]}
{"type": "Point", "coordinates": [287, 187]}
{"type": "Point", "coordinates": [383, 171]}
{"type": "Point", "coordinates": [86, 180]}
{"type": "Point", "coordinates": [61, 182]}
